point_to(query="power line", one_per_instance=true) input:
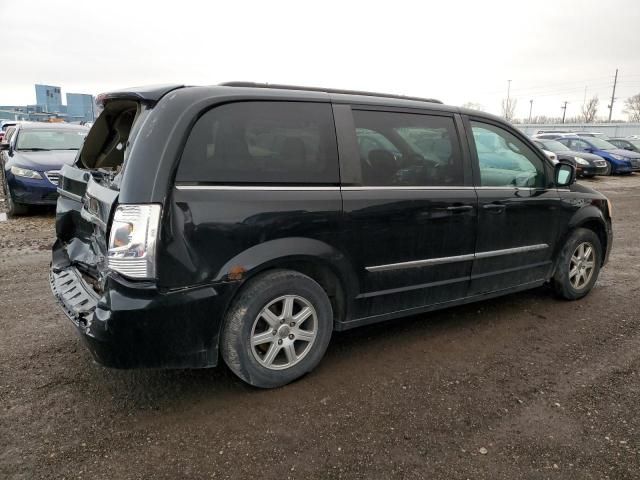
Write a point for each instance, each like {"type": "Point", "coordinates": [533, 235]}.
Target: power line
{"type": "Point", "coordinates": [546, 86]}
{"type": "Point", "coordinates": [553, 88]}
{"type": "Point", "coordinates": [593, 88]}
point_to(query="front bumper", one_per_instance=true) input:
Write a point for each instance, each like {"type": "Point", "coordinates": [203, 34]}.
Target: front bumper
{"type": "Point", "coordinates": [635, 165]}
{"type": "Point", "coordinates": [135, 325]}
{"type": "Point", "coordinates": [591, 170]}
{"type": "Point", "coordinates": [620, 167]}
{"type": "Point", "coordinates": [28, 191]}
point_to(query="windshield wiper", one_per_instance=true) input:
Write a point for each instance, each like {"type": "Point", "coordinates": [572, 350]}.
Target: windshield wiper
{"type": "Point", "coordinates": [35, 149]}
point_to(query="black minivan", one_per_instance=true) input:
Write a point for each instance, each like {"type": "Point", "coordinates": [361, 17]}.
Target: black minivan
{"type": "Point", "coordinates": [253, 220]}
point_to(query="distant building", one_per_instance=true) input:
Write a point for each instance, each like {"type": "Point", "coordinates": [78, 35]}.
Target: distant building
{"type": "Point", "coordinates": [48, 108]}
{"type": "Point", "coordinates": [80, 107]}
{"type": "Point", "coordinates": [49, 98]}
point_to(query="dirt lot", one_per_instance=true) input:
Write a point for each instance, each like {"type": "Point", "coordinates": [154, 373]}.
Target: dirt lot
{"type": "Point", "coordinates": [525, 386]}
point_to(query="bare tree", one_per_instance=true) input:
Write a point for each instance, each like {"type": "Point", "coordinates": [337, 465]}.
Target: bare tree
{"type": "Point", "coordinates": [508, 107]}
{"type": "Point", "coordinates": [590, 109]}
{"type": "Point", "coordinates": [632, 108]}
{"type": "Point", "coordinates": [472, 106]}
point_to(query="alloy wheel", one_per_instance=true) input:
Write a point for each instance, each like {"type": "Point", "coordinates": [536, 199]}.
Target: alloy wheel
{"type": "Point", "coordinates": [284, 332]}
{"type": "Point", "coordinates": [582, 265]}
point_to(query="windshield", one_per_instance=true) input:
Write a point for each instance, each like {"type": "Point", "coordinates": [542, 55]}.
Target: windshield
{"type": "Point", "coordinates": [601, 144]}
{"type": "Point", "coordinates": [554, 146]}
{"type": "Point", "coordinates": [50, 139]}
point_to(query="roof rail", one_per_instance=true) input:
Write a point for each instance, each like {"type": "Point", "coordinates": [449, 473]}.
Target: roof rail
{"type": "Point", "coordinates": [326, 90]}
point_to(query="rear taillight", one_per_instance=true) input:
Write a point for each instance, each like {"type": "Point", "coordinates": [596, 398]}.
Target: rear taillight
{"type": "Point", "coordinates": [132, 241]}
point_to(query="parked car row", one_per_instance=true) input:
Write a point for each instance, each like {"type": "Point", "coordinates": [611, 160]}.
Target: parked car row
{"type": "Point", "coordinates": [587, 164]}
{"type": "Point", "coordinates": [594, 153]}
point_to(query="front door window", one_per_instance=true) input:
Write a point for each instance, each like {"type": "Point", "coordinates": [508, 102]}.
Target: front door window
{"type": "Point", "coordinates": [504, 160]}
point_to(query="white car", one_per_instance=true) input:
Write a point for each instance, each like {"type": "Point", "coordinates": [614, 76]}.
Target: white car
{"type": "Point", "coordinates": [550, 155]}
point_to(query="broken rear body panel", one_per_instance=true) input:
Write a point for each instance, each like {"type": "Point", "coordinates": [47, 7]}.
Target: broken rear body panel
{"type": "Point", "coordinates": [125, 323]}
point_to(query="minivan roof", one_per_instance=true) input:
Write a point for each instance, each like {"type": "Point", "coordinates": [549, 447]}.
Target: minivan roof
{"type": "Point", "coordinates": [152, 94]}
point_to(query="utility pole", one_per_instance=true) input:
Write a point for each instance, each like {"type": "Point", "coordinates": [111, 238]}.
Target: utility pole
{"type": "Point", "coordinates": [530, 109]}
{"type": "Point", "coordinates": [564, 110]}
{"type": "Point", "coordinates": [613, 94]}
{"type": "Point", "coordinates": [508, 90]}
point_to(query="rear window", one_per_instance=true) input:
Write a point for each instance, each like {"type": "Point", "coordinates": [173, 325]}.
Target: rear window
{"type": "Point", "coordinates": [262, 142]}
{"type": "Point", "coordinates": [406, 149]}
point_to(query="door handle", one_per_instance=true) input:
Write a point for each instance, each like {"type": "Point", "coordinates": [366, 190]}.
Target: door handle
{"type": "Point", "coordinates": [494, 207]}
{"type": "Point", "coordinates": [460, 208]}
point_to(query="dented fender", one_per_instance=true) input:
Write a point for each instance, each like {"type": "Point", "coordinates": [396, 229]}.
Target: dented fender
{"type": "Point", "coordinates": [265, 255]}
{"type": "Point", "coordinates": [583, 211]}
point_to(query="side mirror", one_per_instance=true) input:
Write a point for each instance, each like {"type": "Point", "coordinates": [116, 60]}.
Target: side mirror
{"type": "Point", "coordinates": [565, 174]}
{"type": "Point", "coordinates": [629, 148]}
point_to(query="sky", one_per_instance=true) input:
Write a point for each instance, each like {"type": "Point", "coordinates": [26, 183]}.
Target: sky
{"type": "Point", "coordinates": [456, 51]}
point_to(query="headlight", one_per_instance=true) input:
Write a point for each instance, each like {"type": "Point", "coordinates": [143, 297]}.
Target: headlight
{"type": "Point", "coordinates": [132, 240]}
{"type": "Point", "coordinates": [581, 161]}
{"type": "Point", "coordinates": [617, 157]}
{"type": "Point", "coordinates": [25, 172]}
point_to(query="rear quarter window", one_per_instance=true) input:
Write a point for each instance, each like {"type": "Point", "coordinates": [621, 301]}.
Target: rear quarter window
{"type": "Point", "coordinates": [262, 142]}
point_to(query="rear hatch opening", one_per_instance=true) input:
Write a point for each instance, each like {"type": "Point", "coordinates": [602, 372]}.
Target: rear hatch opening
{"type": "Point", "coordinates": [88, 194]}
{"type": "Point", "coordinates": [103, 152]}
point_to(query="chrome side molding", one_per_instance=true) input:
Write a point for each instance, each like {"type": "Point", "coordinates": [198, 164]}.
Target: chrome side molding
{"type": "Point", "coordinates": [458, 258]}
{"type": "Point", "coordinates": [285, 188]}
{"type": "Point", "coordinates": [277, 188]}
{"type": "Point", "coordinates": [421, 263]}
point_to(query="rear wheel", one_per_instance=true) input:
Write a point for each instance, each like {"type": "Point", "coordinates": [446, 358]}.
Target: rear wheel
{"type": "Point", "coordinates": [278, 329]}
{"type": "Point", "coordinates": [578, 265]}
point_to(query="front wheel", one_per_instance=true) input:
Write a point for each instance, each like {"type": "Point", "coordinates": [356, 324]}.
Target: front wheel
{"type": "Point", "coordinates": [13, 209]}
{"type": "Point", "coordinates": [278, 329]}
{"type": "Point", "coordinates": [578, 265]}
{"type": "Point", "coordinates": [609, 170]}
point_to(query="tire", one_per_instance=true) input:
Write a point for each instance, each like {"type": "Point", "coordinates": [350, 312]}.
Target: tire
{"type": "Point", "coordinates": [13, 209]}
{"type": "Point", "coordinates": [568, 283]}
{"type": "Point", "coordinates": [609, 170]}
{"type": "Point", "coordinates": [277, 359]}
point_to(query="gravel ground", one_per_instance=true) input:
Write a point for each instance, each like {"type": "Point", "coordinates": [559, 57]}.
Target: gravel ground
{"type": "Point", "coordinates": [525, 386]}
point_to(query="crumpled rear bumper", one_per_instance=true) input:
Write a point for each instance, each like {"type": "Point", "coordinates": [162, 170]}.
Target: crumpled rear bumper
{"type": "Point", "coordinates": [133, 324]}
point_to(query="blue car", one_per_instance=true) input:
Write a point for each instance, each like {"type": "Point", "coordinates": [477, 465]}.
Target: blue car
{"type": "Point", "coordinates": [32, 160]}
{"type": "Point", "coordinates": [618, 159]}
